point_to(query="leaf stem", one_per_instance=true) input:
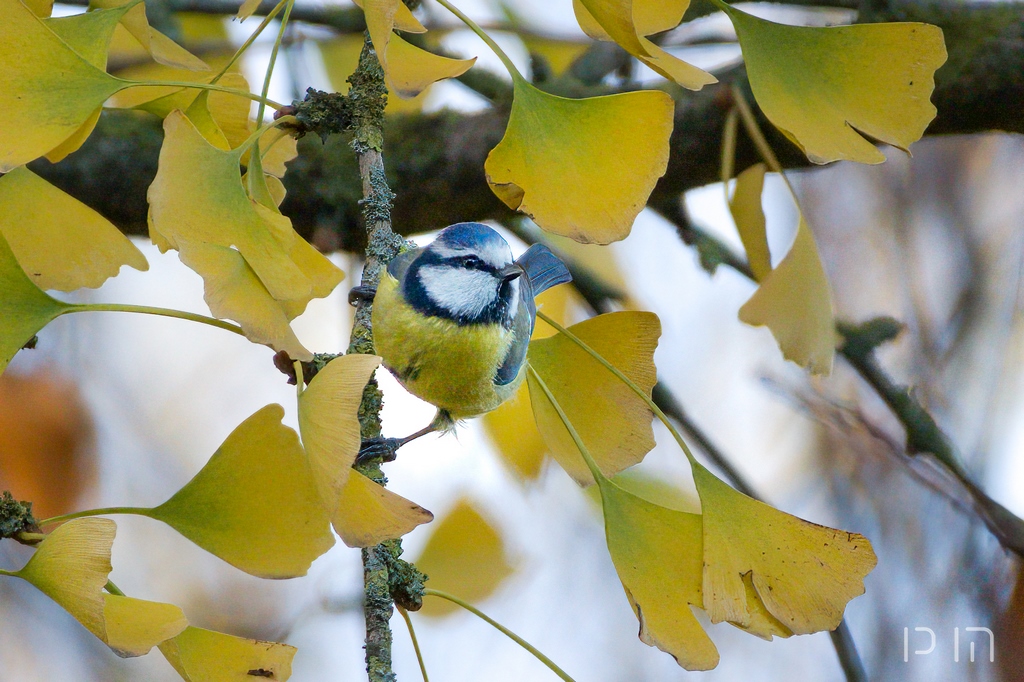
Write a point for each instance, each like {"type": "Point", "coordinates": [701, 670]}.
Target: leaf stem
{"type": "Point", "coordinates": [595, 470]}
{"type": "Point", "coordinates": [415, 642]}
{"type": "Point", "coordinates": [475, 28]}
{"type": "Point", "coordinates": [260, 132]}
{"type": "Point", "coordinates": [504, 630]}
{"type": "Point", "coordinates": [13, 574]}
{"type": "Point", "coordinates": [629, 382]}
{"type": "Point", "coordinates": [757, 136]}
{"type": "Point", "coordinates": [113, 589]}
{"type": "Point", "coordinates": [104, 511]}
{"type": "Point", "coordinates": [250, 40]}
{"type": "Point", "coordinates": [273, 60]}
{"type": "Point", "coordinates": [201, 86]}
{"type": "Point", "coordinates": [149, 310]}
{"type": "Point", "coordinates": [729, 150]}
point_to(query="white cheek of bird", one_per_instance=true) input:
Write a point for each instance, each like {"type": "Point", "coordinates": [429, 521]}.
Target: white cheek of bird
{"type": "Point", "coordinates": [461, 291]}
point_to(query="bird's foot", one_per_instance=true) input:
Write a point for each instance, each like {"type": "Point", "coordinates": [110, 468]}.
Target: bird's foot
{"type": "Point", "coordinates": [361, 294]}
{"type": "Point", "coordinates": [381, 448]}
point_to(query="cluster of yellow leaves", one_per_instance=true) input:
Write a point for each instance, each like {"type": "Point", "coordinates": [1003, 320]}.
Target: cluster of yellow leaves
{"type": "Point", "coordinates": [743, 562]}
{"type": "Point", "coordinates": [71, 567]}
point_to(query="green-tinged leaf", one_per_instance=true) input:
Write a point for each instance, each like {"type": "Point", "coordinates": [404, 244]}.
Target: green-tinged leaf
{"type": "Point", "coordinates": [820, 86]}
{"type": "Point", "coordinates": [206, 656]}
{"type": "Point", "coordinates": [60, 242]}
{"type": "Point", "coordinates": [408, 69]}
{"type": "Point", "coordinates": [71, 566]}
{"type": "Point", "coordinates": [255, 503]}
{"type": "Point", "coordinates": [657, 553]}
{"type": "Point", "coordinates": [47, 91]}
{"type": "Point", "coordinates": [656, 490]}
{"type": "Point", "coordinates": [745, 206]}
{"type": "Point", "coordinates": [89, 33]}
{"type": "Point", "coordinates": [198, 202]}
{"type": "Point", "coordinates": [613, 422]}
{"type": "Point", "coordinates": [581, 168]}
{"type": "Point", "coordinates": [402, 17]}
{"type": "Point", "coordinates": [134, 626]}
{"type": "Point", "coordinates": [329, 422]}
{"type": "Point", "coordinates": [368, 514]}
{"type": "Point", "coordinates": [41, 8]}
{"type": "Point", "coordinates": [24, 308]}
{"type": "Point", "coordinates": [803, 574]}
{"type": "Point", "coordinates": [627, 22]}
{"type": "Point", "coordinates": [464, 556]}
{"type": "Point", "coordinates": [795, 302]}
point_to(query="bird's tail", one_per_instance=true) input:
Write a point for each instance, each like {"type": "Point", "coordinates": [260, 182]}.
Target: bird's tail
{"type": "Point", "coordinates": [543, 268]}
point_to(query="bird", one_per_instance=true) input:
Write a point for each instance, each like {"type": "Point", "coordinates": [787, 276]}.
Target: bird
{"type": "Point", "coordinates": [452, 321]}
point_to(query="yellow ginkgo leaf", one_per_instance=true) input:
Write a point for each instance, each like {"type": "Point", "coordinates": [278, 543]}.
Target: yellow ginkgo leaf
{"type": "Point", "coordinates": [47, 90]}
{"type": "Point", "coordinates": [234, 292]}
{"type": "Point", "coordinates": [60, 242]}
{"type": "Point", "coordinates": [465, 556]}
{"type": "Point", "coordinates": [614, 423]}
{"type": "Point", "coordinates": [804, 574]}
{"type": "Point", "coordinates": [368, 514]}
{"type": "Point", "coordinates": [160, 47]}
{"type": "Point", "coordinates": [247, 8]}
{"type": "Point", "coordinates": [628, 21]}
{"type": "Point", "coordinates": [71, 566]}
{"type": "Point", "coordinates": [135, 626]}
{"type": "Point", "coordinates": [745, 206]}
{"type": "Point", "coordinates": [200, 655]}
{"type": "Point", "coordinates": [581, 168]}
{"type": "Point", "coordinates": [795, 302]}
{"type": "Point", "coordinates": [657, 554]}
{"type": "Point", "coordinates": [408, 69]}
{"type": "Point", "coordinates": [559, 54]}
{"type": "Point", "coordinates": [512, 430]}
{"type": "Point", "coordinates": [649, 17]}
{"type": "Point", "coordinates": [24, 308]}
{"type": "Point", "coordinates": [255, 503]}
{"type": "Point", "coordinates": [821, 85]}
{"type": "Point", "coordinates": [198, 201]}
{"type": "Point", "coordinates": [402, 16]}
{"type": "Point", "coordinates": [329, 422]}
{"type": "Point", "coordinates": [89, 33]}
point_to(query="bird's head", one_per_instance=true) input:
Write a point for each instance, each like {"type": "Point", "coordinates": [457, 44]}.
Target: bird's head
{"type": "Point", "coordinates": [466, 275]}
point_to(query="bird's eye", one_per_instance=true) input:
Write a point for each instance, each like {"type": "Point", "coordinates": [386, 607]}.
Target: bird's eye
{"type": "Point", "coordinates": [472, 262]}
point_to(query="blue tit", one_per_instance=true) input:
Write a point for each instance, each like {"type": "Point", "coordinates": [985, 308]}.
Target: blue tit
{"type": "Point", "coordinates": [453, 319]}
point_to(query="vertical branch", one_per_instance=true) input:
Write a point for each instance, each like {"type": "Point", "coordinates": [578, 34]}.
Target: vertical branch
{"type": "Point", "coordinates": [366, 100]}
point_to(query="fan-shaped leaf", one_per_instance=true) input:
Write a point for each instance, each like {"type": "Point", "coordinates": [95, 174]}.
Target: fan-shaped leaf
{"type": "Point", "coordinates": [820, 86]}
{"type": "Point", "coordinates": [464, 556]}
{"type": "Point", "coordinates": [581, 168]}
{"type": "Point", "coordinates": [24, 308]}
{"type": "Point", "coordinates": [795, 302]}
{"type": "Point", "coordinates": [160, 47]}
{"type": "Point", "coordinates": [47, 91]}
{"type": "Point", "coordinates": [60, 242]}
{"type": "Point", "coordinates": [135, 626]}
{"type": "Point", "coordinates": [407, 68]}
{"type": "Point", "coordinates": [255, 503]}
{"type": "Point", "coordinates": [658, 556]}
{"type": "Point", "coordinates": [368, 514]}
{"type": "Point", "coordinates": [71, 566]}
{"type": "Point", "coordinates": [804, 574]}
{"type": "Point", "coordinates": [628, 21]}
{"type": "Point", "coordinates": [613, 422]}
{"type": "Point", "coordinates": [329, 422]}
{"type": "Point", "coordinates": [512, 430]}
{"type": "Point", "coordinates": [206, 656]}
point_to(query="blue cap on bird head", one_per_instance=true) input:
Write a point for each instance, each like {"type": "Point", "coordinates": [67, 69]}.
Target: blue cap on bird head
{"type": "Point", "coordinates": [476, 238]}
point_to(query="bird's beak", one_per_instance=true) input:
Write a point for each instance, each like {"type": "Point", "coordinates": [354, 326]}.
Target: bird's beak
{"type": "Point", "coordinates": [510, 272]}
